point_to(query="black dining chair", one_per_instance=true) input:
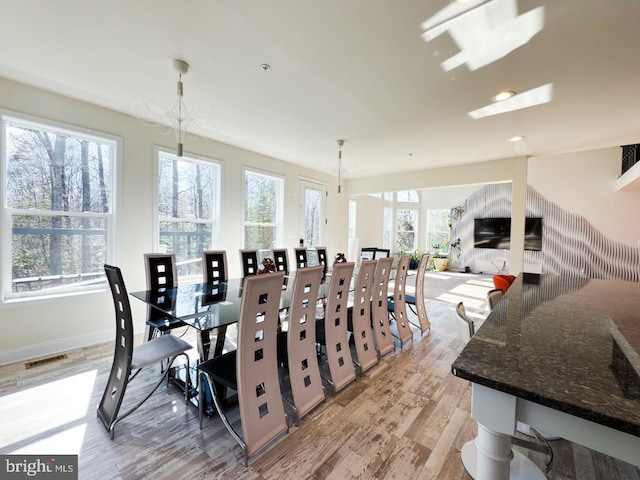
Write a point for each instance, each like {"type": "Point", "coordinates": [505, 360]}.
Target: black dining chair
{"type": "Point", "coordinates": [162, 275]}
{"type": "Point", "coordinates": [249, 262]}
{"type": "Point", "coordinates": [281, 260]}
{"type": "Point", "coordinates": [322, 260]}
{"type": "Point", "coordinates": [214, 266]}
{"type": "Point", "coordinates": [301, 258]}
{"type": "Point", "coordinates": [127, 358]}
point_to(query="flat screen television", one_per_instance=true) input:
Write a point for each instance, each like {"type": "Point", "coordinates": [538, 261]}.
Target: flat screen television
{"type": "Point", "coordinates": [496, 233]}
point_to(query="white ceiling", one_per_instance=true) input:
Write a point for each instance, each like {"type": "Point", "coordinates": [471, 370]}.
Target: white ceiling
{"type": "Point", "coordinates": [352, 69]}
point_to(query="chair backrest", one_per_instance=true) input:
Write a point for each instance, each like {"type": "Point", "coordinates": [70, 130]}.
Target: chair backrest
{"type": "Point", "coordinates": [249, 262]}
{"type": "Point", "coordinates": [301, 257]}
{"type": "Point", "coordinates": [466, 327]}
{"type": "Point", "coordinates": [304, 374]}
{"type": "Point", "coordinates": [381, 253]}
{"type": "Point", "coordinates": [494, 296]}
{"type": "Point", "coordinates": [335, 326]}
{"type": "Point", "coordinates": [162, 274]}
{"type": "Point", "coordinates": [121, 370]}
{"type": "Point", "coordinates": [322, 259]}
{"type": "Point", "coordinates": [367, 253]}
{"type": "Point", "coordinates": [161, 270]}
{"type": "Point", "coordinates": [261, 410]}
{"type": "Point", "coordinates": [400, 301]}
{"type": "Point", "coordinates": [421, 310]}
{"type": "Point", "coordinates": [365, 347]}
{"type": "Point", "coordinates": [281, 259]}
{"type": "Point", "coordinates": [379, 307]}
{"type": "Point", "coordinates": [214, 266]}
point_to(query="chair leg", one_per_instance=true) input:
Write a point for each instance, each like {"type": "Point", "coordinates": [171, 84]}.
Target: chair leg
{"type": "Point", "coordinates": [218, 405]}
{"type": "Point", "coordinates": [135, 407]}
{"type": "Point", "coordinates": [200, 399]}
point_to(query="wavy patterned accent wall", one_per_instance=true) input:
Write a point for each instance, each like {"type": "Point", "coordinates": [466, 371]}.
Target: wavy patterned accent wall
{"type": "Point", "coordinates": [570, 244]}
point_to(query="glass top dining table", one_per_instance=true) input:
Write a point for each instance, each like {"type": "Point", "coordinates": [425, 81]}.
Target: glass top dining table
{"type": "Point", "coordinates": [207, 307]}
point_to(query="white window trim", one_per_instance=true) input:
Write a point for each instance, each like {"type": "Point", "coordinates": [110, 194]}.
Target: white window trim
{"type": "Point", "coordinates": [114, 220]}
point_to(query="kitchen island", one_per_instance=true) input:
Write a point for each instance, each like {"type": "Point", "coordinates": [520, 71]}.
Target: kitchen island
{"type": "Point", "coordinates": [560, 354]}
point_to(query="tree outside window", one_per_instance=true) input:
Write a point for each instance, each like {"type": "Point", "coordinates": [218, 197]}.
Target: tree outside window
{"type": "Point", "coordinates": [406, 221]}
{"type": "Point", "coordinates": [313, 217]}
{"type": "Point", "coordinates": [263, 210]}
{"type": "Point", "coordinates": [188, 209]}
{"type": "Point", "coordinates": [58, 202]}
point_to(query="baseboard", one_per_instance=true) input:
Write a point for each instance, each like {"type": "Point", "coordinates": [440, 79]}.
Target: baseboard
{"type": "Point", "coordinates": [54, 347]}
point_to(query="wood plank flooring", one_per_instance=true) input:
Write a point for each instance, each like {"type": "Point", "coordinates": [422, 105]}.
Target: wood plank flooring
{"type": "Point", "coordinates": [405, 419]}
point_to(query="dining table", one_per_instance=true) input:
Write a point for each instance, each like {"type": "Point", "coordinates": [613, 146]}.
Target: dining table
{"type": "Point", "coordinates": [210, 309]}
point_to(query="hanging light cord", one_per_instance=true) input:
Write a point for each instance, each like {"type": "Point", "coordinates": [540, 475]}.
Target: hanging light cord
{"type": "Point", "coordinates": [180, 94]}
{"type": "Point", "coordinates": [340, 143]}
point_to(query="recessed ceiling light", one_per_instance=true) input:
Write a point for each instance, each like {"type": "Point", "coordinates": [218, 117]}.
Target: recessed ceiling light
{"type": "Point", "coordinates": [265, 67]}
{"type": "Point", "coordinates": [517, 138]}
{"type": "Point", "coordinates": [502, 96]}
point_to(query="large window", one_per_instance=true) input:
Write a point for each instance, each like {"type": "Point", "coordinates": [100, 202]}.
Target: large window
{"type": "Point", "coordinates": [188, 209]}
{"type": "Point", "coordinates": [438, 229]}
{"type": "Point", "coordinates": [406, 222]}
{"type": "Point", "coordinates": [406, 212]}
{"type": "Point", "coordinates": [264, 205]}
{"type": "Point", "coordinates": [58, 189]}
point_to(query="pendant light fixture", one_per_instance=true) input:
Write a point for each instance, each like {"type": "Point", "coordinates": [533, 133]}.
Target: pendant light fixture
{"type": "Point", "coordinates": [340, 144]}
{"type": "Point", "coordinates": [181, 113]}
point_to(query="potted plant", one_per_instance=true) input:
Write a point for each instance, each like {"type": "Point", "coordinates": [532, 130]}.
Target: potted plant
{"type": "Point", "coordinates": [415, 259]}
{"type": "Point", "coordinates": [436, 247]}
{"type": "Point", "coordinates": [441, 262]}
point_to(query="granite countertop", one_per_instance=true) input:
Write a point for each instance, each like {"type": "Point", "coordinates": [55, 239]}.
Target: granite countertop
{"type": "Point", "coordinates": [568, 343]}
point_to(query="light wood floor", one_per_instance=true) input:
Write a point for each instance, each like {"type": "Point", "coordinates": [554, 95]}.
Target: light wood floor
{"type": "Point", "coordinates": [407, 418]}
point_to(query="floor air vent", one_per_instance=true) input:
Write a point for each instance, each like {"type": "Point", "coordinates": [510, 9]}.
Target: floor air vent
{"type": "Point", "coordinates": [44, 361]}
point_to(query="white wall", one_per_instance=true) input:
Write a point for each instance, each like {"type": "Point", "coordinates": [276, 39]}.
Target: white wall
{"type": "Point", "coordinates": [369, 220]}
{"type": "Point", "coordinates": [584, 183]}
{"type": "Point", "coordinates": [446, 198]}
{"type": "Point", "coordinates": [41, 327]}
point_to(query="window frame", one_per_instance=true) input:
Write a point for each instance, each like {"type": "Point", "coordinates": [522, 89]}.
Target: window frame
{"type": "Point", "coordinates": [305, 184]}
{"type": "Point", "coordinates": [113, 217]}
{"type": "Point", "coordinates": [279, 237]}
{"type": "Point", "coordinates": [215, 222]}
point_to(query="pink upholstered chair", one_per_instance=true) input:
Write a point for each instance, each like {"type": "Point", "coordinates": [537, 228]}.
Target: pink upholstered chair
{"type": "Point", "coordinates": [304, 374]}
{"type": "Point", "coordinates": [379, 307]}
{"type": "Point", "coordinates": [361, 316]}
{"type": "Point", "coordinates": [398, 306]}
{"type": "Point", "coordinates": [416, 301]}
{"type": "Point", "coordinates": [252, 369]}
